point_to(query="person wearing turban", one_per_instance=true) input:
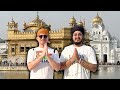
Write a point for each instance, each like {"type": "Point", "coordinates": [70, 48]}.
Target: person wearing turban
{"type": "Point", "coordinates": [78, 60]}
{"type": "Point", "coordinates": [42, 60]}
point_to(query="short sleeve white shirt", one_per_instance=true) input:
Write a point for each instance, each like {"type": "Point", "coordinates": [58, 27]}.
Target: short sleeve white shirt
{"type": "Point", "coordinates": [43, 70]}
{"type": "Point", "coordinates": [76, 71]}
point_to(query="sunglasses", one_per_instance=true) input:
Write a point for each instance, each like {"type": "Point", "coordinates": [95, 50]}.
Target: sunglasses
{"type": "Point", "coordinates": [45, 36]}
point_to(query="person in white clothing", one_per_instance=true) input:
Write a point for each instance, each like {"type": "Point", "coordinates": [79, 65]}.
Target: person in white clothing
{"type": "Point", "coordinates": [42, 60]}
{"type": "Point", "coordinates": [78, 60]}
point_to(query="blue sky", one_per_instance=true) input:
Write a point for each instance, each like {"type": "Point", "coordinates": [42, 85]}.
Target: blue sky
{"type": "Point", "coordinates": [60, 19]}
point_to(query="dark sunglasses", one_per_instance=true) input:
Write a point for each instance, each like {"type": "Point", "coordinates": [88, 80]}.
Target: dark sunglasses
{"type": "Point", "coordinates": [45, 36]}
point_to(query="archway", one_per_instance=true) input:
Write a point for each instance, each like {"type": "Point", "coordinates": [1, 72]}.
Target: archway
{"type": "Point", "coordinates": [105, 58]}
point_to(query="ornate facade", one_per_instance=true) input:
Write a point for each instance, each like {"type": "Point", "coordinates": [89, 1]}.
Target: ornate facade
{"type": "Point", "coordinates": [19, 42]}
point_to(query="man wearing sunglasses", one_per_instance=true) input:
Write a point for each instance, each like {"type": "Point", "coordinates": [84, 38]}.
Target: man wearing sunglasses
{"type": "Point", "coordinates": [42, 60]}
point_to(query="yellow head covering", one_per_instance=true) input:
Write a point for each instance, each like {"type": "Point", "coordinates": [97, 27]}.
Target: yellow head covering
{"type": "Point", "coordinates": [42, 31]}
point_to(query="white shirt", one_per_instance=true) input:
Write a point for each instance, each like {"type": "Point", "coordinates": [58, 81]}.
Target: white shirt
{"type": "Point", "coordinates": [43, 70]}
{"type": "Point", "coordinates": [76, 71]}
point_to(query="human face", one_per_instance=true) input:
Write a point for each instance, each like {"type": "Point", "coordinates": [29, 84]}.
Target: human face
{"type": "Point", "coordinates": [77, 37]}
{"type": "Point", "coordinates": [42, 38]}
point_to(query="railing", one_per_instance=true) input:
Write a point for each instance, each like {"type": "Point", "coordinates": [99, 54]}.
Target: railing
{"type": "Point", "coordinates": [3, 68]}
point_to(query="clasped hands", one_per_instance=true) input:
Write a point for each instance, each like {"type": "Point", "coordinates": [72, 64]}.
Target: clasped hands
{"type": "Point", "coordinates": [75, 57]}
{"type": "Point", "coordinates": [45, 50]}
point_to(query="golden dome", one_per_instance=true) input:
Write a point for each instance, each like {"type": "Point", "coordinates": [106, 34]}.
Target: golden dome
{"type": "Point", "coordinates": [12, 23]}
{"type": "Point", "coordinates": [72, 20]}
{"type": "Point", "coordinates": [35, 24]}
{"type": "Point", "coordinates": [80, 23]}
{"type": "Point", "coordinates": [97, 19]}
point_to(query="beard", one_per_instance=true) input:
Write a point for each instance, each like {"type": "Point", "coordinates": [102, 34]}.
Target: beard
{"type": "Point", "coordinates": [77, 43]}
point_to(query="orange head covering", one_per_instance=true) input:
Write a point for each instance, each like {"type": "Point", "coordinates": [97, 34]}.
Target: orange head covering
{"type": "Point", "coordinates": [42, 31]}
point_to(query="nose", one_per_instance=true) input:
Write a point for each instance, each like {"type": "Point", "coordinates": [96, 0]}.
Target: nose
{"type": "Point", "coordinates": [42, 37]}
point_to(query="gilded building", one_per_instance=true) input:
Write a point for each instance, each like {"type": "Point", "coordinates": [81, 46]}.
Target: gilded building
{"type": "Point", "coordinates": [19, 42]}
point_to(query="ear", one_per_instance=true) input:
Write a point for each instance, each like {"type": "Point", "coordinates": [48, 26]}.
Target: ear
{"type": "Point", "coordinates": [37, 38]}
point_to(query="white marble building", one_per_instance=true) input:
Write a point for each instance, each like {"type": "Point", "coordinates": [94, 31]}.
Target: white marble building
{"type": "Point", "coordinates": [3, 50]}
{"type": "Point", "coordinates": [105, 46]}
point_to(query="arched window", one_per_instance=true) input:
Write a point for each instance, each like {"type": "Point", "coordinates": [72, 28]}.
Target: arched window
{"type": "Point", "coordinates": [105, 49]}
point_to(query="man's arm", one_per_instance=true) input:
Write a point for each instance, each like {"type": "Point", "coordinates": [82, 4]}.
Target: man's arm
{"type": "Point", "coordinates": [35, 62]}
{"type": "Point", "coordinates": [87, 65]}
{"type": "Point", "coordinates": [66, 64]}
{"type": "Point", "coordinates": [54, 64]}
{"type": "Point", "coordinates": [69, 62]}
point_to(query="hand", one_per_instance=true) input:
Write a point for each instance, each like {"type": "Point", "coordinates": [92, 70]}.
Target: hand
{"type": "Point", "coordinates": [46, 49]}
{"type": "Point", "coordinates": [75, 56]}
{"type": "Point", "coordinates": [37, 55]}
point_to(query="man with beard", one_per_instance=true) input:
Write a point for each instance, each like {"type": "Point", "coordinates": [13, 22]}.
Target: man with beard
{"type": "Point", "coordinates": [77, 59]}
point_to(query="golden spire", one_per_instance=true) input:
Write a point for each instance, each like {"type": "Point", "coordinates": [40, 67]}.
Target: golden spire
{"type": "Point", "coordinates": [84, 22]}
{"type": "Point", "coordinates": [73, 14]}
{"type": "Point", "coordinates": [37, 19]}
{"type": "Point", "coordinates": [12, 19]}
{"type": "Point", "coordinates": [80, 18]}
{"type": "Point", "coordinates": [13, 22]}
{"type": "Point", "coordinates": [80, 23]}
{"type": "Point", "coordinates": [37, 15]}
{"type": "Point", "coordinates": [97, 13]}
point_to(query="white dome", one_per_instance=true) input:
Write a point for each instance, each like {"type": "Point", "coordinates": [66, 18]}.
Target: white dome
{"type": "Point", "coordinates": [105, 32]}
{"type": "Point", "coordinates": [113, 51]}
